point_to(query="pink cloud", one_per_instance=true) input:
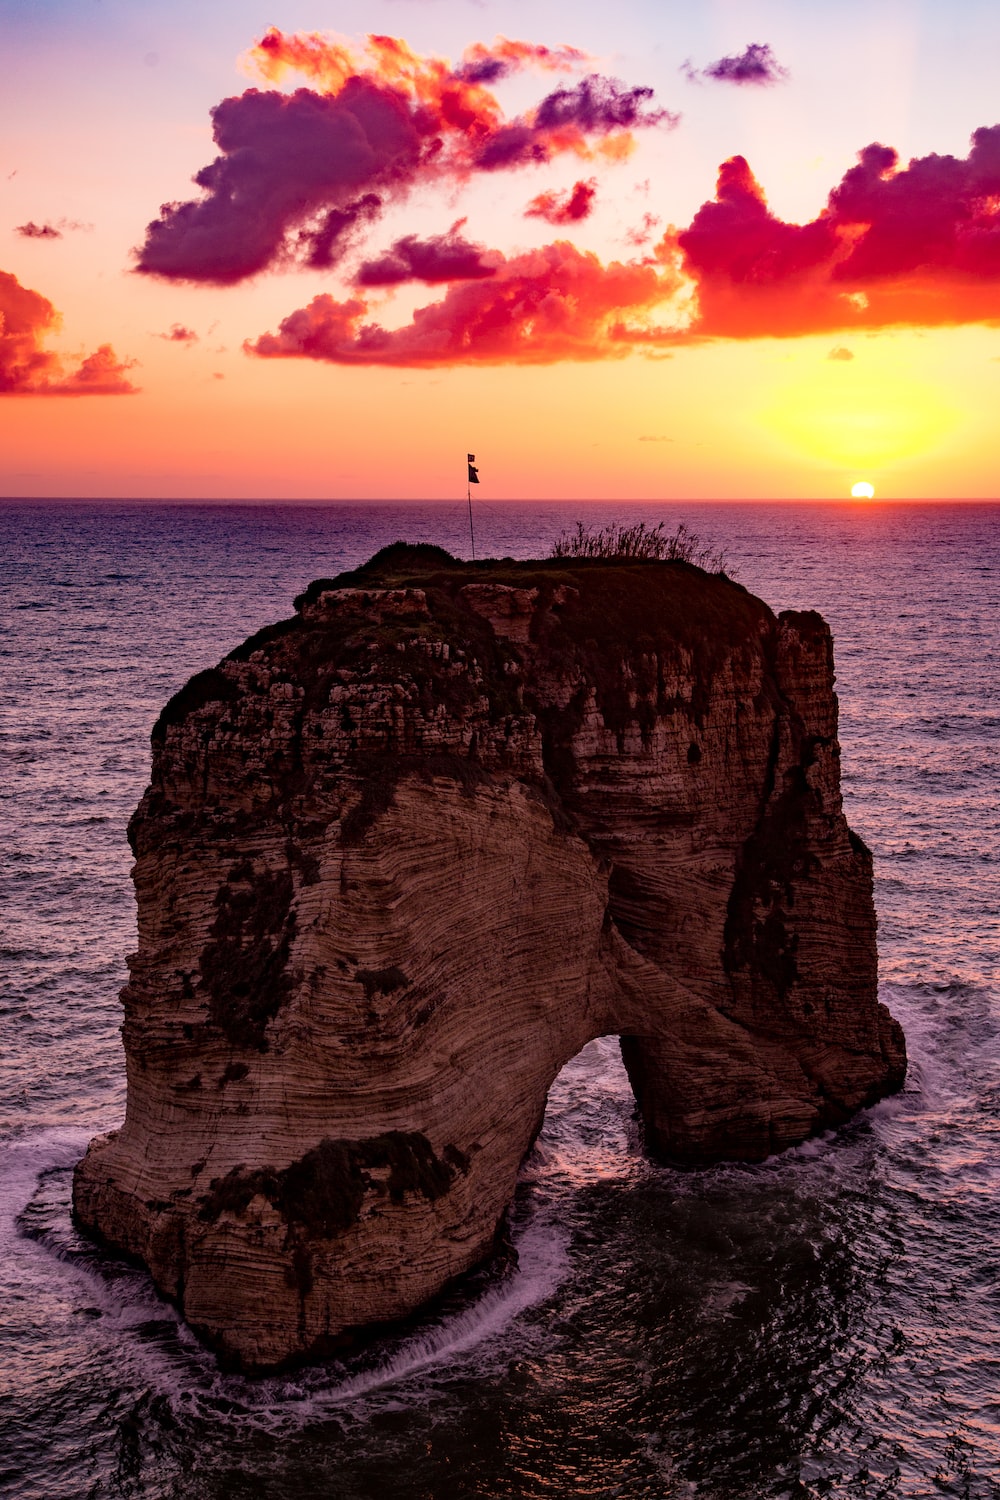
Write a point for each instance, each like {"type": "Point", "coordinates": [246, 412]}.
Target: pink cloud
{"type": "Point", "coordinates": [178, 334]}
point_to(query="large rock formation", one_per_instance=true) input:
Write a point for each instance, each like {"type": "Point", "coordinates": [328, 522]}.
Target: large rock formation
{"type": "Point", "coordinates": [403, 855]}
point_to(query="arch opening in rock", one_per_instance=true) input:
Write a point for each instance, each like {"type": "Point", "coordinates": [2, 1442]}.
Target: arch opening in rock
{"type": "Point", "coordinates": [590, 1129]}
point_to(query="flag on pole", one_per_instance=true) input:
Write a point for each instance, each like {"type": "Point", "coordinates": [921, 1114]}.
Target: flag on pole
{"type": "Point", "coordinates": [473, 471]}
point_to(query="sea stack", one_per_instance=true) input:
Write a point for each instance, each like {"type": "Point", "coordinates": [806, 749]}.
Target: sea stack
{"type": "Point", "coordinates": [403, 855]}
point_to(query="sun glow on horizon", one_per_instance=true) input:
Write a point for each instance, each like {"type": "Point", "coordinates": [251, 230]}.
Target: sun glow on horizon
{"type": "Point", "coordinates": [855, 418]}
{"type": "Point", "coordinates": [863, 490]}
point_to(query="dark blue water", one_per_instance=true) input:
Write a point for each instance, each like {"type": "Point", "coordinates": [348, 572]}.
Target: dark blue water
{"type": "Point", "coordinates": [825, 1324]}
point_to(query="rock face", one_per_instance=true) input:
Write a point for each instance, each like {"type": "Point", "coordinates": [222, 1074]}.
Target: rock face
{"type": "Point", "coordinates": [403, 855]}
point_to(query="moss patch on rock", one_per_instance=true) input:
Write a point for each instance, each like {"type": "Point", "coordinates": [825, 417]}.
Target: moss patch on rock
{"type": "Point", "coordinates": [211, 686]}
{"type": "Point", "coordinates": [244, 967]}
{"type": "Point", "coordinates": [321, 1194]}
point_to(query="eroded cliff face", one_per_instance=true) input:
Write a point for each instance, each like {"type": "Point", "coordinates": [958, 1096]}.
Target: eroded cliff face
{"type": "Point", "coordinates": [403, 855]}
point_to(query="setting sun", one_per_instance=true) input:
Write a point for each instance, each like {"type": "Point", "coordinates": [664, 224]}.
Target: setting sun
{"type": "Point", "coordinates": [863, 490]}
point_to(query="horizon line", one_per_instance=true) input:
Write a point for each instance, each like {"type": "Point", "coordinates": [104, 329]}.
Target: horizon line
{"type": "Point", "coordinates": [296, 501]}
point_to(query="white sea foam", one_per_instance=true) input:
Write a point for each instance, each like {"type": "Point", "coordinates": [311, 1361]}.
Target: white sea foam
{"type": "Point", "coordinates": [23, 1161]}
{"type": "Point", "coordinates": [542, 1264]}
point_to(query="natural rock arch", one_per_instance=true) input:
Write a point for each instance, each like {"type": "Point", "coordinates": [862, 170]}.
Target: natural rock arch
{"type": "Point", "coordinates": [404, 855]}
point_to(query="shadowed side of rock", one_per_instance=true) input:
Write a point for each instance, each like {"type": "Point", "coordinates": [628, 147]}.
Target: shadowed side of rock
{"type": "Point", "coordinates": [403, 855]}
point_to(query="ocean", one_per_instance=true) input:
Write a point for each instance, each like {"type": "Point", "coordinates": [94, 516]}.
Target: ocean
{"type": "Point", "coordinates": [827, 1323]}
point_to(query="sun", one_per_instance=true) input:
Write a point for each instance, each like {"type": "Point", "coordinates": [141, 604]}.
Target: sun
{"type": "Point", "coordinates": [863, 490]}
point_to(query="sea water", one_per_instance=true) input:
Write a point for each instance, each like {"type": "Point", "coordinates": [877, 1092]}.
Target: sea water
{"type": "Point", "coordinates": [827, 1323]}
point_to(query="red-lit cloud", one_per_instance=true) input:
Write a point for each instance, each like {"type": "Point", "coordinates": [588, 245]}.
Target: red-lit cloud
{"type": "Point", "coordinates": [564, 208]}
{"type": "Point", "coordinates": [100, 374]}
{"type": "Point", "coordinates": [299, 175]}
{"type": "Point", "coordinates": [27, 369]}
{"type": "Point", "coordinates": [548, 305]}
{"type": "Point", "coordinates": [915, 245]}
{"type": "Point", "coordinates": [329, 61]}
{"type": "Point", "coordinates": [488, 64]}
{"type": "Point", "coordinates": [755, 65]}
{"type": "Point", "coordinates": [443, 258]}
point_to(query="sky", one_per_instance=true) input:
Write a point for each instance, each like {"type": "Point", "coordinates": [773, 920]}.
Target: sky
{"type": "Point", "coordinates": [655, 250]}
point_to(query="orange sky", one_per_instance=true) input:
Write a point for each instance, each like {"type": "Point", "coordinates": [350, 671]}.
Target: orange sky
{"type": "Point", "coordinates": [524, 251]}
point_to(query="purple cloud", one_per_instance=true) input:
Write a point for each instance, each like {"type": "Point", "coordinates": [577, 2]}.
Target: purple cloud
{"type": "Point", "coordinates": [443, 258]}
{"type": "Point", "coordinates": [283, 157]}
{"type": "Point", "coordinates": [337, 230]}
{"type": "Point", "coordinates": [594, 106]}
{"type": "Point", "coordinates": [756, 64]}
{"type": "Point", "coordinates": [33, 231]}
{"type": "Point", "coordinates": [297, 176]}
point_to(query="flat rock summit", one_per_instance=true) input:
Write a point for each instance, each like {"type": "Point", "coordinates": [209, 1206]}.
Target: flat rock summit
{"type": "Point", "coordinates": [403, 855]}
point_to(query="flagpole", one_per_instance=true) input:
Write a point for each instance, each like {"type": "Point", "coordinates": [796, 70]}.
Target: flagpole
{"type": "Point", "coordinates": [468, 491]}
{"type": "Point", "coordinates": [473, 478]}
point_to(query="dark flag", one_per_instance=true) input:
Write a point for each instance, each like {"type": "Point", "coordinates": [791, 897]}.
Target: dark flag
{"type": "Point", "coordinates": [473, 472]}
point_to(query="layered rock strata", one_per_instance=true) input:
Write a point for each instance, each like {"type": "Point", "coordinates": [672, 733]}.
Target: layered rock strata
{"type": "Point", "coordinates": [403, 855]}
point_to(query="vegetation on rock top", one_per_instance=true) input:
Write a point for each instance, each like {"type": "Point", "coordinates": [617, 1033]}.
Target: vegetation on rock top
{"type": "Point", "coordinates": [639, 540]}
